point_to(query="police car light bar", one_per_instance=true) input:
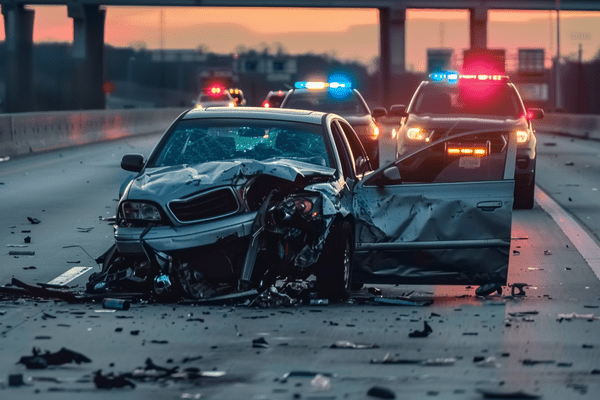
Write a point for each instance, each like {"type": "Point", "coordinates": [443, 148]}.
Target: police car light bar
{"type": "Point", "coordinates": [322, 85]}
{"type": "Point", "coordinates": [454, 77]}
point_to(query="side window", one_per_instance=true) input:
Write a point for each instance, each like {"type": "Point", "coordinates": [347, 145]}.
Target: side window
{"type": "Point", "coordinates": [354, 142]}
{"type": "Point", "coordinates": [345, 158]}
{"type": "Point", "coordinates": [466, 158]}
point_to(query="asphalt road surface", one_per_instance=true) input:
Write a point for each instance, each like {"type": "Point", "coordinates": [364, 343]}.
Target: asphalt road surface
{"type": "Point", "coordinates": [545, 343]}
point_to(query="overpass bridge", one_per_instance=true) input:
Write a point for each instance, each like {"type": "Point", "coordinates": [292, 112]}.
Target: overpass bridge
{"type": "Point", "coordinates": [89, 19]}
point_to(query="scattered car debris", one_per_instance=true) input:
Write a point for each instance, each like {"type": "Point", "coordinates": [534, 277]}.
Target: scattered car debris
{"type": "Point", "coordinates": [15, 380]}
{"type": "Point", "coordinates": [111, 381]}
{"type": "Point", "coordinates": [260, 343]}
{"type": "Point", "coordinates": [421, 334]}
{"type": "Point", "coordinates": [344, 344]}
{"type": "Point", "coordinates": [85, 230]}
{"type": "Point", "coordinates": [507, 394]}
{"type": "Point", "coordinates": [387, 359]}
{"type": "Point", "coordinates": [530, 362]}
{"type": "Point", "coordinates": [401, 301]}
{"type": "Point", "coordinates": [21, 253]}
{"type": "Point", "coordinates": [34, 221]}
{"type": "Point", "coordinates": [518, 286]}
{"type": "Point", "coordinates": [488, 289]}
{"type": "Point", "coordinates": [381, 392]}
{"type": "Point", "coordinates": [570, 316]}
{"type": "Point", "coordinates": [523, 313]}
{"type": "Point", "coordinates": [548, 252]}
{"type": "Point", "coordinates": [42, 360]}
{"type": "Point", "coordinates": [116, 304]}
{"type": "Point", "coordinates": [569, 163]}
{"type": "Point", "coordinates": [27, 239]}
{"type": "Point", "coordinates": [488, 362]}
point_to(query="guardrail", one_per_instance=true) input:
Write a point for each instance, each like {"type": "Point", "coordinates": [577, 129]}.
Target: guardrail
{"type": "Point", "coordinates": [25, 133]}
{"type": "Point", "coordinates": [584, 126]}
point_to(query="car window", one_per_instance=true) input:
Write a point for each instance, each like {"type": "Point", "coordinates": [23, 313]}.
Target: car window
{"type": "Point", "coordinates": [343, 102]}
{"type": "Point", "coordinates": [346, 157]}
{"type": "Point", "coordinates": [205, 140]}
{"type": "Point", "coordinates": [469, 98]}
{"type": "Point", "coordinates": [354, 142]}
{"type": "Point", "coordinates": [464, 158]}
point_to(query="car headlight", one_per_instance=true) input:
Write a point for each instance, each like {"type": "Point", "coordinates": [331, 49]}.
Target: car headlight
{"type": "Point", "coordinates": [522, 136]}
{"type": "Point", "coordinates": [231, 104]}
{"type": "Point", "coordinates": [140, 211]}
{"type": "Point", "coordinates": [417, 134]}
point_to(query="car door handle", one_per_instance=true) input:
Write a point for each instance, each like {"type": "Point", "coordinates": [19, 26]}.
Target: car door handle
{"type": "Point", "coordinates": [489, 205]}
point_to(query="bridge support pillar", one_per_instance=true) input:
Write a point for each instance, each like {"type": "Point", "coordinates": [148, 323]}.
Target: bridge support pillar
{"type": "Point", "coordinates": [88, 56]}
{"type": "Point", "coordinates": [478, 19]}
{"type": "Point", "coordinates": [18, 29]}
{"type": "Point", "coordinates": [392, 49]}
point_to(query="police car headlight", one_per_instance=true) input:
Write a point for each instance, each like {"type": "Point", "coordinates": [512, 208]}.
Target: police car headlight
{"type": "Point", "coordinates": [417, 134]}
{"type": "Point", "coordinates": [522, 136]}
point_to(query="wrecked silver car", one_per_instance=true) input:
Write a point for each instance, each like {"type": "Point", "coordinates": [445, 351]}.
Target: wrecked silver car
{"type": "Point", "coordinates": [234, 199]}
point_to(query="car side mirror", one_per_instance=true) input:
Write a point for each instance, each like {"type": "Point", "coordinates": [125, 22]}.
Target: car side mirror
{"type": "Point", "coordinates": [132, 162]}
{"type": "Point", "coordinates": [535, 113]}
{"type": "Point", "coordinates": [378, 112]}
{"type": "Point", "coordinates": [398, 110]}
{"type": "Point", "coordinates": [362, 165]}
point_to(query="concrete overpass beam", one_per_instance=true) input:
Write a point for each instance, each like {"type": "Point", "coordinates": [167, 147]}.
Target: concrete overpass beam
{"type": "Point", "coordinates": [392, 49]}
{"type": "Point", "coordinates": [478, 19]}
{"type": "Point", "coordinates": [88, 56]}
{"type": "Point", "coordinates": [18, 30]}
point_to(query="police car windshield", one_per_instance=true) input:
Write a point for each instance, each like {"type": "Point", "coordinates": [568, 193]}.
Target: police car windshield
{"type": "Point", "coordinates": [471, 98]}
{"type": "Point", "coordinates": [343, 102]}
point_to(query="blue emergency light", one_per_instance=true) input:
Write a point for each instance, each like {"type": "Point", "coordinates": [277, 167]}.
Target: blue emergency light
{"type": "Point", "coordinates": [448, 76]}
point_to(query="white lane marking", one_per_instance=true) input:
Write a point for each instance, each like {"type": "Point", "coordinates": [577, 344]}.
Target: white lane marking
{"type": "Point", "coordinates": [585, 245]}
{"type": "Point", "coordinates": [69, 276]}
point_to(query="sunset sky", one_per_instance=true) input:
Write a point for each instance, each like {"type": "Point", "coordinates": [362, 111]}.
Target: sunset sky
{"type": "Point", "coordinates": [350, 34]}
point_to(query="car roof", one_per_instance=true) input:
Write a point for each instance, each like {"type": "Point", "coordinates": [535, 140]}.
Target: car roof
{"type": "Point", "coordinates": [313, 117]}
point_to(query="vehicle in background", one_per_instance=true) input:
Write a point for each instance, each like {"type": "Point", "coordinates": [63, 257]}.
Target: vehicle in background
{"type": "Point", "coordinates": [274, 99]}
{"type": "Point", "coordinates": [238, 96]}
{"type": "Point", "coordinates": [450, 103]}
{"type": "Point", "coordinates": [247, 198]}
{"type": "Point", "coordinates": [340, 98]}
{"type": "Point", "coordinates": [214, 96]}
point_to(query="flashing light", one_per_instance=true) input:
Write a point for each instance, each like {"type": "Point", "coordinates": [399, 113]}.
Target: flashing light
{"type": "Point", "coordinates": [375, 134]}
{"type": "Point", "coordinates": [522, 136]}
{"type": "Point", "coordinates": [231, 104]}
{"type": "Point", "coordinates": [314, 85]}
{"type": "Point", "coordinates": [467, 151]}
{"type": "Point", "coordinates": [266, 104]}
{"type": "Point", "coordinates": [453, 77]}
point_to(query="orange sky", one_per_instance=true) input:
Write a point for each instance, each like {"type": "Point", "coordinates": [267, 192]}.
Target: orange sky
{"type": "Point", "coordinates": [187, 28]}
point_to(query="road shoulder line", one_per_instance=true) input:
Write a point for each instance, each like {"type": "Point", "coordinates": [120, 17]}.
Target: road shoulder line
{"type": "Point", "coordinates": [583, 242]}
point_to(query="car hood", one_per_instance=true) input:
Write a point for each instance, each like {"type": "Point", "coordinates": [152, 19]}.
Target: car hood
{"type": "Point", "coordinates": [176, 182]}
{"type": "Point", "coordinates": [462, 123]}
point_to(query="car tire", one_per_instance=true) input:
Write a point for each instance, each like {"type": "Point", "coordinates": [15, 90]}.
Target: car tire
{"type": "Point", "coordinates": [334, 273]}
{"type": "Point", "coordinates": [524, 196]}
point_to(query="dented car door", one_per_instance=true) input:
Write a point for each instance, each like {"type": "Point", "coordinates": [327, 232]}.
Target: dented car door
{"type": "Point", "coordinates": [441, 215]}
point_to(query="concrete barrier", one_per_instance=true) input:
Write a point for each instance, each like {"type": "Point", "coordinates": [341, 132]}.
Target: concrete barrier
{"type": "Point", "coordinates": [584, 126]}
{"type": "Point", "coordinates": [25, 133]}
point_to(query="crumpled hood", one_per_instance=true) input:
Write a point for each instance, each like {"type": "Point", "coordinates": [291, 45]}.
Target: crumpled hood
{"type": "Point", "coordinates": [465, 123]}
{"type": "Point", "coordinates": [167, 183]}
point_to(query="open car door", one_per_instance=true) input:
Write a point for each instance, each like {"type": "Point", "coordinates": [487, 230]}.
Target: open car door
{"type": "Point", "coordinates": [441, 215]}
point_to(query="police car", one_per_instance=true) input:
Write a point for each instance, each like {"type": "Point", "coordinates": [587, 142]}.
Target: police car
{"type": "Point", "coordinates": [215, 96]}
{"type": "Point", "coordinates": [449, 103]}
{"type": "Point", "coordinates": [337, 96]}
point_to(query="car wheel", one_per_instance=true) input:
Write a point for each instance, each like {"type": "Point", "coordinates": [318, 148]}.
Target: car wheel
{"type": "Point", "coordinates": [335, 269]}
{"type": "Point", "coordinates": [524, 196]}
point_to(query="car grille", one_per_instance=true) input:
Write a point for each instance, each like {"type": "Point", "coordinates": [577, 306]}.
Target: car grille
{"type": "Point", "coordinates": [207, 205]}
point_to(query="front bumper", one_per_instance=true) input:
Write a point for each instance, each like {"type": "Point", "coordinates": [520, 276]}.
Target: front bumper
{"type": "Point", "coordinates": [168, 238]}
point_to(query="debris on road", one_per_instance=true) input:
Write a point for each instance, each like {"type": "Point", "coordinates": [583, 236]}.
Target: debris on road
{"type": "Point", "coordinates": [111, 381]}
{"type": "Point", "coordinates": [344, 344]}
{"type": "Point", "coordinates": [34, 221]}
{"type": "Point", "coordinates": [387, 359]}
{"type": "Point", "coordinates": [519, 287]}
{"type": "Point", "coordinates": [421, 334]}
{"type": "Point", "coordinates": [570, 316]}
{"type": "Point", "coordinates": [260, 343]}
{"type": "Point", "coordinates": [21, 253]}
{"type": "Point", "coordinates": [439, 362]}
{"type": "Point", "coordinates": [507, 394]}
{"type": "Point", "coordinates": [381, 392]}
{"type": "Point", "coordinates": [488, 288]}
{"type": "Point", "coordinates": [63, 356]}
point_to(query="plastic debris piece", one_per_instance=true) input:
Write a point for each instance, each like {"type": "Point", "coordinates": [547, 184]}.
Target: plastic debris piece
{"type": "Point", "coordinates": [84, 230]}
{"type": "Point", "coordinates": [421, 334]}
{"type": "Point", "coordinates": [519, 287]}
{"type": "Point", "coordinates": [34, 221]}
{"type": "Point", "coordinates": [571, 316]}
{"type": "Point", "coordinates": [381, 392]}
{"type": "Point", "coordinates": [548, 252]}
{"type": "Point", "coordinates": [530, 362]}
{"type": "Point", "coordinates": [15, 380]}
{"type": "Point", "coordinates": [63, 356]}
{"type": "Point", "coordinates": [116, 304]}
{"type": "Point", "coordinates": [21, 253]}
{"type": "Point", "coordinates": [488, 288]}
{"type": "Point", "coordinates": [111, 381]}
{"type": "Point", "coordinates": [375, 291]}
{"type": "Point", "coordinates": [344, 344]}
{"type": "Point", "coordinates": [306, 374]}
{"type": "Point", "coordinates": [320, 383]}
{"type": "Point", "coordinates": [260, 343]}
{"type": "Point", "coordinates": [523, 313]}
{"type": "Point", "coordinates": [27, 239]}
{"type": "Point", "coordinates": [439, 362]}
{"type": "Point", "coordinates": [390, 360]}
{"type": "Point", "coordinates": [489, 362]}
{"type": "Point", "coordinates": [507, 394]}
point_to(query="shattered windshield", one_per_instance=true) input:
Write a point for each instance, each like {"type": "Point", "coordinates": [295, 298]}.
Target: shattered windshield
{"type": "Point", "coordinates": [344, 102]}
{"type": "Point", "coordinates": [472, 98]}
{"type": "Point", "coordinates": [205, 140]}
